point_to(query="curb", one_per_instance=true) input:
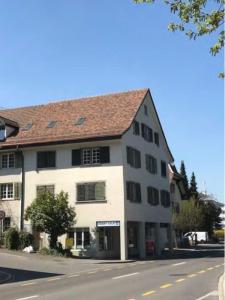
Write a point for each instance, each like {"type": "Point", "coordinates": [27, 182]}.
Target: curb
{"type": "Point", "coordinates": [221, 288]}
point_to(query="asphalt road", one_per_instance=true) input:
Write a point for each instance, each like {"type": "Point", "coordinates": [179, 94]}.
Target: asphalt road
{"type": "Point", "coordinates": [193, 275]}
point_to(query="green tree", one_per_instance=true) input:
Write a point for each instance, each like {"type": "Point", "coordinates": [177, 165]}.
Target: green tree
{"type": "Point", "coordinates": [193, 191]}
{"type": "Point", "coordinates": [211, 216]}
{"type": "Point", "coordinates": [198, 18]}
{"type": "Point", "coordinates": [51, 214]}
{"type": "Point", "coordinates": [189, 217]}
{"type": "Point", "coordinates": [185, 179]}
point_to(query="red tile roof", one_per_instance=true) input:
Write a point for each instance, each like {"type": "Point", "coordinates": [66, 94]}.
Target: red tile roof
{"type": "Point", "coordinates": [105, 116]}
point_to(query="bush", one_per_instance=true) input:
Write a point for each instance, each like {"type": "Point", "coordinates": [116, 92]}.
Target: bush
{"type": "Point", "coordinates": [26, 239]}
{"type": "Point", "coordinates": [56, 252]}
{"type": "Point", "coordinates": [12, 240]}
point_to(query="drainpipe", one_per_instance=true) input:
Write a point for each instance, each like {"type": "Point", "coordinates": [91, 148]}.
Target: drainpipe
{"type": "Point", "coordinates": [22, 194]}
{"type": "Point", "coordinates": [20, 153]}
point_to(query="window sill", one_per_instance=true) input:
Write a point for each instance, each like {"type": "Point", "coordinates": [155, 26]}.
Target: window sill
{"type": "Point", "coordinates": [91, 201]}
{"type": "Point", "coordinates": [9, 199]}
{"type": "Point", "coordinates": [45, 168]}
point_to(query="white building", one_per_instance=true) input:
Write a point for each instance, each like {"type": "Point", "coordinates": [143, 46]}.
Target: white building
{"type": "Point", "coordinates": [109, 153]}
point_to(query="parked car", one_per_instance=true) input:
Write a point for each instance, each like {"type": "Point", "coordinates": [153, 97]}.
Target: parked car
{"type": "Point", "coordinates": [198, 236]}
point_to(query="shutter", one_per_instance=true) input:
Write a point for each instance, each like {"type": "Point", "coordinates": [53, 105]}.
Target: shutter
{"type": "Point", "coordinates": [138, 192]}
{"type": "Point", "coordinates": [129, 155]}
{"type": "Point", "coordinates": [17, 190]}
{"type": "Point", "coordinates": [150, 135]}
{"type": "Point", "coordinates": [143, 130]}
{"type": "Point", "coordinates": [90, 191]}
{"type": "Point", "coordinates": [81, 192]}
{"type": "Point", "coordinates": [40, 160]}
{"type": "Point", "coordinates": [104, 155]}
{"type": "Point", "coordinates": [128, 190]}
{"type": "Point", "coordinates": [51, 159]}
{"type": "Point", "coordinates": [76, 157]}
{"type": "Point", "coordinates": [100, 191]}
{"type": "Point", "coordinates": [0, 161]}
{"type": "Point", "coordinates": [0, 191]}
{"type": "Point", "coordinates": [18, 160]}
{"type": "Point", "coordinates": [155, 166]}
{"type": "Point", "coordinates": [137, 159]}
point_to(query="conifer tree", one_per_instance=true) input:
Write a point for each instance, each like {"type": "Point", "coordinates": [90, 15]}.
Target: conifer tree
{"type": "Point", "coordinates": [193, 187]}
{"type": "Point", "coordinates": [185, 179]}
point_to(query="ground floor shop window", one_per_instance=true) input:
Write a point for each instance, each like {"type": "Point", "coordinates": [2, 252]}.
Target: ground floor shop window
{"type": "Point", "coordinates": [105, 239]}
{"type": "Point", "coordinates": [82, 238]}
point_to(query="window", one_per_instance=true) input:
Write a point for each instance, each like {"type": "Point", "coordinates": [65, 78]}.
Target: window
{"type": "Point", "coordinates": [151, 164]}
{"type": "Point", "coordinates": [136, 128]}
{"type": "Point", "coordinates": [82, 238]}
{"type": "Point", "coordinates": [90, 156]}
{"type": "Point", "coordinates": [146, 110]}
{"type": "Point", "coordinates": [80, 121]}
{"type": "Point", "coordinates": [27, 127]}
{"type": "Point", "coordinates": [133, 157]}
{"type": "Point", "coordinates": [6, 191]}
{"type": "Point", "coordinates": [153, 196]}
{"type": "Point", "coordinates": [133, 191]}
{"type": "Point", "coordinates": [41, 189]}
{"type": "Point", "coordinates": [46, 159]}
{"type": "Point", "coordinates": [156, 138]}
{"type": "Point", "coordinates": [51, 124]}
{"type": "Point", "coordinates": [2, 131]}
{"type": "Point", "coordinates": [7, 161]}
{"type": "Point", "coordinates": [165, 198]}
{"type": "Point", "coordinates": [6, 223]}
{"type": "Point", "coordinates": [172, 188]}
{"type": "Point", "coordinates": [147, 133]}
{"type": "Point", "coordinates": [93, 191]}
{"type": "Point", "coordinates": [163, 169]}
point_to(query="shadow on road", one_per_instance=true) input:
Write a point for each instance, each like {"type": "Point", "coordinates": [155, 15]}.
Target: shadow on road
{"type": "Point", "coordinates": [9, 275]}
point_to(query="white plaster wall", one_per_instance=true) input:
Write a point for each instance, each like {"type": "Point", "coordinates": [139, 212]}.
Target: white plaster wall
{"type": "Point", "coordinates": [144, 211]}
{"type": "Point", "coordinates": [11, 207]}
{"type": "Point", "coordinates": [65, 177]}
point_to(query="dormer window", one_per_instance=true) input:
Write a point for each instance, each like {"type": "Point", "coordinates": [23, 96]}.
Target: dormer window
{"type": "Point", "coordinates": [2, 131]}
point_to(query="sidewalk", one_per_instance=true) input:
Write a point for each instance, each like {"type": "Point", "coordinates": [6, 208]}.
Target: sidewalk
{"type": "Point", "coordinates": [221, 287]}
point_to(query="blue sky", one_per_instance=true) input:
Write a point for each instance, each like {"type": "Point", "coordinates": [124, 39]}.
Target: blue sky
{"type": "Point", "coordinates": [62, 49]}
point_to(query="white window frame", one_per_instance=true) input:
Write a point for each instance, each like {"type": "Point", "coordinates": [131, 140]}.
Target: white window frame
{"type": "Point", "coordinates": [82, 230]}
{"type": "Point", "coordinates": [8, 161]}
{"type": "Point", "coordinates": [7, 191]}
{"type": "Point", "coordinates": [91, 156]}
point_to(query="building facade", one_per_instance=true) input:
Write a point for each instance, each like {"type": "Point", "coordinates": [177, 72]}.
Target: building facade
{"type": "Point", "coordinates": [109, 153]}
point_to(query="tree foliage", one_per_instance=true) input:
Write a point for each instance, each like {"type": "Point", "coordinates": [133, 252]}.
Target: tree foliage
{"type": "Point", "coordinates": [51, 214]}
{"type": "Point", "coordinates": [198, 18]}
{"type": "Point", "coordinates": [190, 216]}
{"type": "Point", "coordinates": [185, 179]}
{"type": "Point", "coordinates": [193, 187]}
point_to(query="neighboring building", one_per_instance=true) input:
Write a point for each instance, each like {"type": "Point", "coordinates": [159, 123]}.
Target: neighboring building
{"type": "Point", "coordinates": [177, 191]}
{"type": "Point", "coordinates": [109, 153]}
{"type": "Point", "coordinates": [222, 215]}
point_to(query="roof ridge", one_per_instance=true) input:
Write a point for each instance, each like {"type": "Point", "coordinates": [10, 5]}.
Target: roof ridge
{"type": "Point", "coordinates": [75, 99]}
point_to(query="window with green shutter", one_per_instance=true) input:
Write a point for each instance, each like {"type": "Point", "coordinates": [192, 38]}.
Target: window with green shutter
{"type": "Point", "coordinates": [151, 164]}
{"type": "Point", "coordinates": [91, 191]}
{"type": "Point", "coordinates": [153, 195]}
{"type": "Point", "coordinates": [133, 157]}
{"type": "Point", "coordinates": [133, 191]}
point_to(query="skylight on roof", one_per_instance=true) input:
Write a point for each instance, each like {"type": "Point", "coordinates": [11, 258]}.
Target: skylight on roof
{"type": "Point", "coordinates": [27, 127]}
{"type": "Point", "coordinates": [51, 124]}
{"type": "Point", "coordinates": [80, 121]}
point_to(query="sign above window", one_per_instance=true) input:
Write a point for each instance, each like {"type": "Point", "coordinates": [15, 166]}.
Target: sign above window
{"type": "Point", "coordinates": [107, 223]}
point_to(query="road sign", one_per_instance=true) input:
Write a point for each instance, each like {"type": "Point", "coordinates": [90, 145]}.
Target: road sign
{"type": "Point", "coordinates": [2, 214]}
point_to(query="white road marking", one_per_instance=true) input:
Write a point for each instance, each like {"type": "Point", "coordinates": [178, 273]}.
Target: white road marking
{"type": "Point", "coordinates": [28, 283]}
{"type": "Point", "coordinates": [105, 270]}
{"type": "Point", "coordinates": [213, 293]}
{"type": "Point", "coordinates": [126, 275]}
{"type": "Point", "coordinates": [92, 272]}
{"type": "Point", "coordinates": [74, 275]}
{"type": "Point", "coordinates": [179, 264]}
{"type": "Point", "coordinates": [30, 297]}
{"type": "Point", "coordinates": [53, 279]}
